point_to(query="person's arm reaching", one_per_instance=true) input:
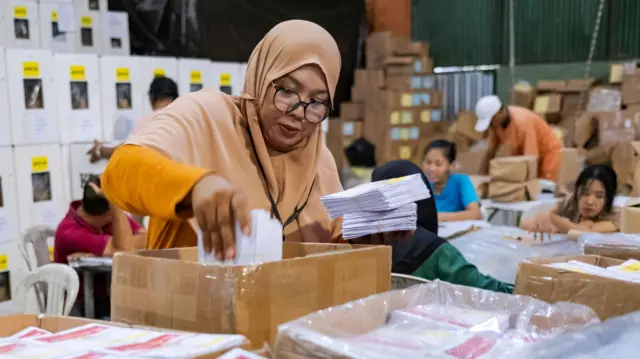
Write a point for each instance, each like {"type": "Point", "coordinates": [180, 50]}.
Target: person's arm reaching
{"type": "Point", "coordinates": [100, 152]}
{"type": "Point", "coordinates": [493, 143]}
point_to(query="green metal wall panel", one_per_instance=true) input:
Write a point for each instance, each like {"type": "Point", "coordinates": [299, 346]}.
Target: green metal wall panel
{"type": "Point", "coordinates": [549, 31]}
{"type": "Point", "coordinates": [624, 35]}
{"type": "Point", "coordinates": [459, 32]}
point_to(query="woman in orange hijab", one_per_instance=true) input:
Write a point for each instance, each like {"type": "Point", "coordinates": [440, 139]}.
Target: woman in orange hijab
{"type": "Point", "coordinates": [209, 158]}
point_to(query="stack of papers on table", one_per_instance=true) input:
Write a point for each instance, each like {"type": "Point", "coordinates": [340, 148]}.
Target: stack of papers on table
{"type": "Point", "coordinates": [377, 207]}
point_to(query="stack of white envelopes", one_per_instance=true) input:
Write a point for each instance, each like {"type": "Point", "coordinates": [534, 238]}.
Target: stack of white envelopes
{"type": "Point", "coordinates": [377, 207]}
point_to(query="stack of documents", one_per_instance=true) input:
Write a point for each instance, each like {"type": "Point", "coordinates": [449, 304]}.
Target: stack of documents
{"type": "Point", "coordinates": [377, 207]}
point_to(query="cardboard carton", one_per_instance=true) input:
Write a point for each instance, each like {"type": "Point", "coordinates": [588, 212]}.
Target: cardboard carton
{"type": "Point", "coordinates": [630, 223]}
{"type": "Point", "coordinates": [351, 111]}
{"type": "Point", "coordinates": [580, 85]}
{"type": "Point", "coordinates": [11, 324]}
{"type": "Point", "coordinates": [607, 297]}
{"type": "Point", "coordinates": [502, 191]}
{"type": "Point", "coordinates": [615, 129]}
{"type": "Point", "coordinates": [513, 168]}
{"type": "Point", "coordinates": [481, 185]}
{"type": "Point", "coordinates": [465, 125]}
{"type": "Point", "coordinates": [548, 104]}
{"type": "Point", "coordinates": [170, 289]}
{"type": "Point", "coordinates": [625, 161]}
{"type": "Point", "coordinates": [470, 162]}
{"type": "Point", "coordinates": [604, 98]}
{"type": "Point", "coordinates": [523, 94]}
{"type": "Point", "coordinates": [631, 89]}
{"type": "Point", "coordinates": [570, 167]}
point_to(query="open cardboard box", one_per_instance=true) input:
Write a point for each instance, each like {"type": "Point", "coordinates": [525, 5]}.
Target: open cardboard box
{"type": "Point", "coordinates": [11, 324]}
{"type": "Point", "coordinates": [170, 289]}
{"type": "Point", "coordinates": [606, 296]}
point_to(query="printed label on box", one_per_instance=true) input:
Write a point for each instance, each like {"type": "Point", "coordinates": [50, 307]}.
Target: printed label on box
{"type": "Point", "coordinates": [407, 118]}
{"type": "Point", "coordinates": [416, 82]}
{"type": "Point", "coordinates": [77, 73]}
{"type": "Point", "coordinates": [406, 100]}
{"type": "Point", "coordinates": [416, 99]}
{"type": "Point", "coordinates": [39, 164]}
{"type": "Point", "coordinates": [122, 74]}
{"type": "Point", "coordinates": [225, 79]}
{"type": "Point", "coordinates": [415, 133]}
{"type": "Point", "coordinates": [158, 72]}
{"type": "Point", "coordinates": [30, 69]}
{"type": "Point", "coordinates": [395, 133]}
{"type": "Point", "coordinates": [425, 116]}
{"type": "Point", "coordinates": [616, 74]}
{"type": "Point", "coordinates": [436, 115]}
{"type": "Point", "coordinates": [405, 152]}
{"type": "Point", "coordinates": [50, 253]}
{"type": "Point", "coordinates": [54, 16]}
{"type": "Point", "coordinates": [405, 133]}
{"type": "Point", "coordinates": [347, 129]}
{"type": "Point", "coordinates": [541, 105]}
{"type": "Point", "coordinates": [395, 118]}
{"type": "Point", "coordinates": [20, 12]}
{"type": "Point", "coordinates": [426, 98]}
{"type": "Point", "coordinates": [196, 77]}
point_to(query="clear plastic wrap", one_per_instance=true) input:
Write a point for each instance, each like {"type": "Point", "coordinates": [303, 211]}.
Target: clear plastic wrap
{"type": "Point", "coordinates": [497, 251]}
{"type": "Point", "coordinates": [616, 338]}
{"type": "Point", "coordinates": [434, 320]}
{"type": "Point", "coordinates": [604, 99]}
{"type": "Point", "coordinates": [613, 245]}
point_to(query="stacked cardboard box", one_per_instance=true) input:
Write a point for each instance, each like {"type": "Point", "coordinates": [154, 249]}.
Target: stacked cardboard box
{"type": "Point", "coordinates": [561, 101]}
{"type": "Point", "coordinates": [398, 105]}
{"type": "Point", "coordinates": [513, 179]}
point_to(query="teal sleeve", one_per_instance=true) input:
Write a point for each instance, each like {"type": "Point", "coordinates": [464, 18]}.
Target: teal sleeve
{"type": "Point", "coordinates": [449, 265]}
{"type": "Point", "coordinates": [468, 193]}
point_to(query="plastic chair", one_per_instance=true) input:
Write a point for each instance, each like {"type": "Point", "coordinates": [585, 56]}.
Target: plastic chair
{"type": "Point", "coordinates": [403, 281]}
{"type": "Point", "coordinates": [62, 288]}
{"type": "Point", "coordinates": [36, 237]}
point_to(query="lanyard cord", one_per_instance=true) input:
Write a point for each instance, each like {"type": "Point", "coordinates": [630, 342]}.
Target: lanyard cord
{"type": "Point", "coordinates": [274, 209]}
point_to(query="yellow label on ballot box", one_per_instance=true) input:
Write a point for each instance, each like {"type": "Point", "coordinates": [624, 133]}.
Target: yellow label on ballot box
{"type": "Point", "coordinates": [225, 79]}
{"type": "Point", "coordinates": [86, 21]}
{"type": "Point", "coordinates": [4, 262]}
{"type": "Point", "coordinates": [405, 152]}
{"type": "Point", "coordinates": [158, 72]}
{"type": "Point", "coordinates": [20, 12]}
{"type": "Point", "coordinates": [77, 73]}
{"type": "Point", "coordinates": [541, 105]}
{"type": "Point", "coordinates": [425, 116]}
{"type": "Point", "coordinates": [39, 164]}
{"type": "Point", "coordinates": [30, 69]}
{"type": "Point", "coordinates": [54, 16]}
{"type": "Point", "coordinates": [122, 74]}
{"type": "Point", "coordinates": [395, 118]}
{"type": "Point", "coordinates": [196, 77]}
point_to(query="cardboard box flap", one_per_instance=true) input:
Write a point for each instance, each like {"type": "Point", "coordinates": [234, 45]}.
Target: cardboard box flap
{"type": "Point", "coordinates": [248, 300]}
{"type": "Point", "coordinates": [551, 85]}
{"type": "Point", "coordinates": [606, 296]}
{"type": "Point", "coordinates": [513, 168]}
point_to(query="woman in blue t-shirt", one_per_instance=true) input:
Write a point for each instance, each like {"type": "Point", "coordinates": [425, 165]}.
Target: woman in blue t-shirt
{"type": "Point", "coordinates": [456, 198]}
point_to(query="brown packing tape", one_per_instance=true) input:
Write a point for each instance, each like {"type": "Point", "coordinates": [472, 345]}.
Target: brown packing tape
{"type": "Point", "coordinates": [607, 297]}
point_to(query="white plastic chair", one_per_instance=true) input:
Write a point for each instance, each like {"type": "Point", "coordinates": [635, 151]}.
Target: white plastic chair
{"type": "Point", "coordinates": [403, 281]}
{"type": "Point", "coordinates": [62, 288]}
{"type": "Point", "coordinates": [36, 237]}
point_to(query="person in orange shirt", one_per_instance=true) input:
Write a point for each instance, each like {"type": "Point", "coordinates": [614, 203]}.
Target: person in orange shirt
{"type": "Point", "coordinates": [522, 131]}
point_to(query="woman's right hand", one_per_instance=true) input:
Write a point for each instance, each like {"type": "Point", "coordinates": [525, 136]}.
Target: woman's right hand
{"type": "Point", "coordinates": [217, 205]}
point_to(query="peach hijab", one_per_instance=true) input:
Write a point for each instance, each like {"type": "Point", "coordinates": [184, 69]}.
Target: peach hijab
{"type": "Point", "coordinates": [212, 130]}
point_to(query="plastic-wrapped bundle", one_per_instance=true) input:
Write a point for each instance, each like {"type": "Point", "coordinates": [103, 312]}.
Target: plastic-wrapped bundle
{"type": "Point", "coordinates": [617, 338]}
{"type": "Point", "coordinates": [613, 245]}
{"type": "Point", "coordinates": [497, 251]}
{"type": "Point", "coordinates": [434, 320]}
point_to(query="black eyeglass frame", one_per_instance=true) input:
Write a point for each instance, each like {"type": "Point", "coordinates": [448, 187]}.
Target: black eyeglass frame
{"type": "Point", "coordinates": [298, 104]}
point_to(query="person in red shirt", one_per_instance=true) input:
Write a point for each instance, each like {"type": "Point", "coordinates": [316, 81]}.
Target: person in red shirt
{"type": "Point", "coordinates": [93, 226]}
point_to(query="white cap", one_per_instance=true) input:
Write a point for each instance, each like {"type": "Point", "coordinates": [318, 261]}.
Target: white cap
{"type": "Point", "coordinates": [486, 108]}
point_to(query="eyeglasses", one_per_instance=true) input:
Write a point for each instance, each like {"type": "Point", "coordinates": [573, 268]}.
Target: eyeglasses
{"type": "Point", "coordinates": [288, 101]}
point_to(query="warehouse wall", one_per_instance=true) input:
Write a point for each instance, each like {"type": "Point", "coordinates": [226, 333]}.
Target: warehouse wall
{"type": "Point", "coordinates": [463, 32]}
